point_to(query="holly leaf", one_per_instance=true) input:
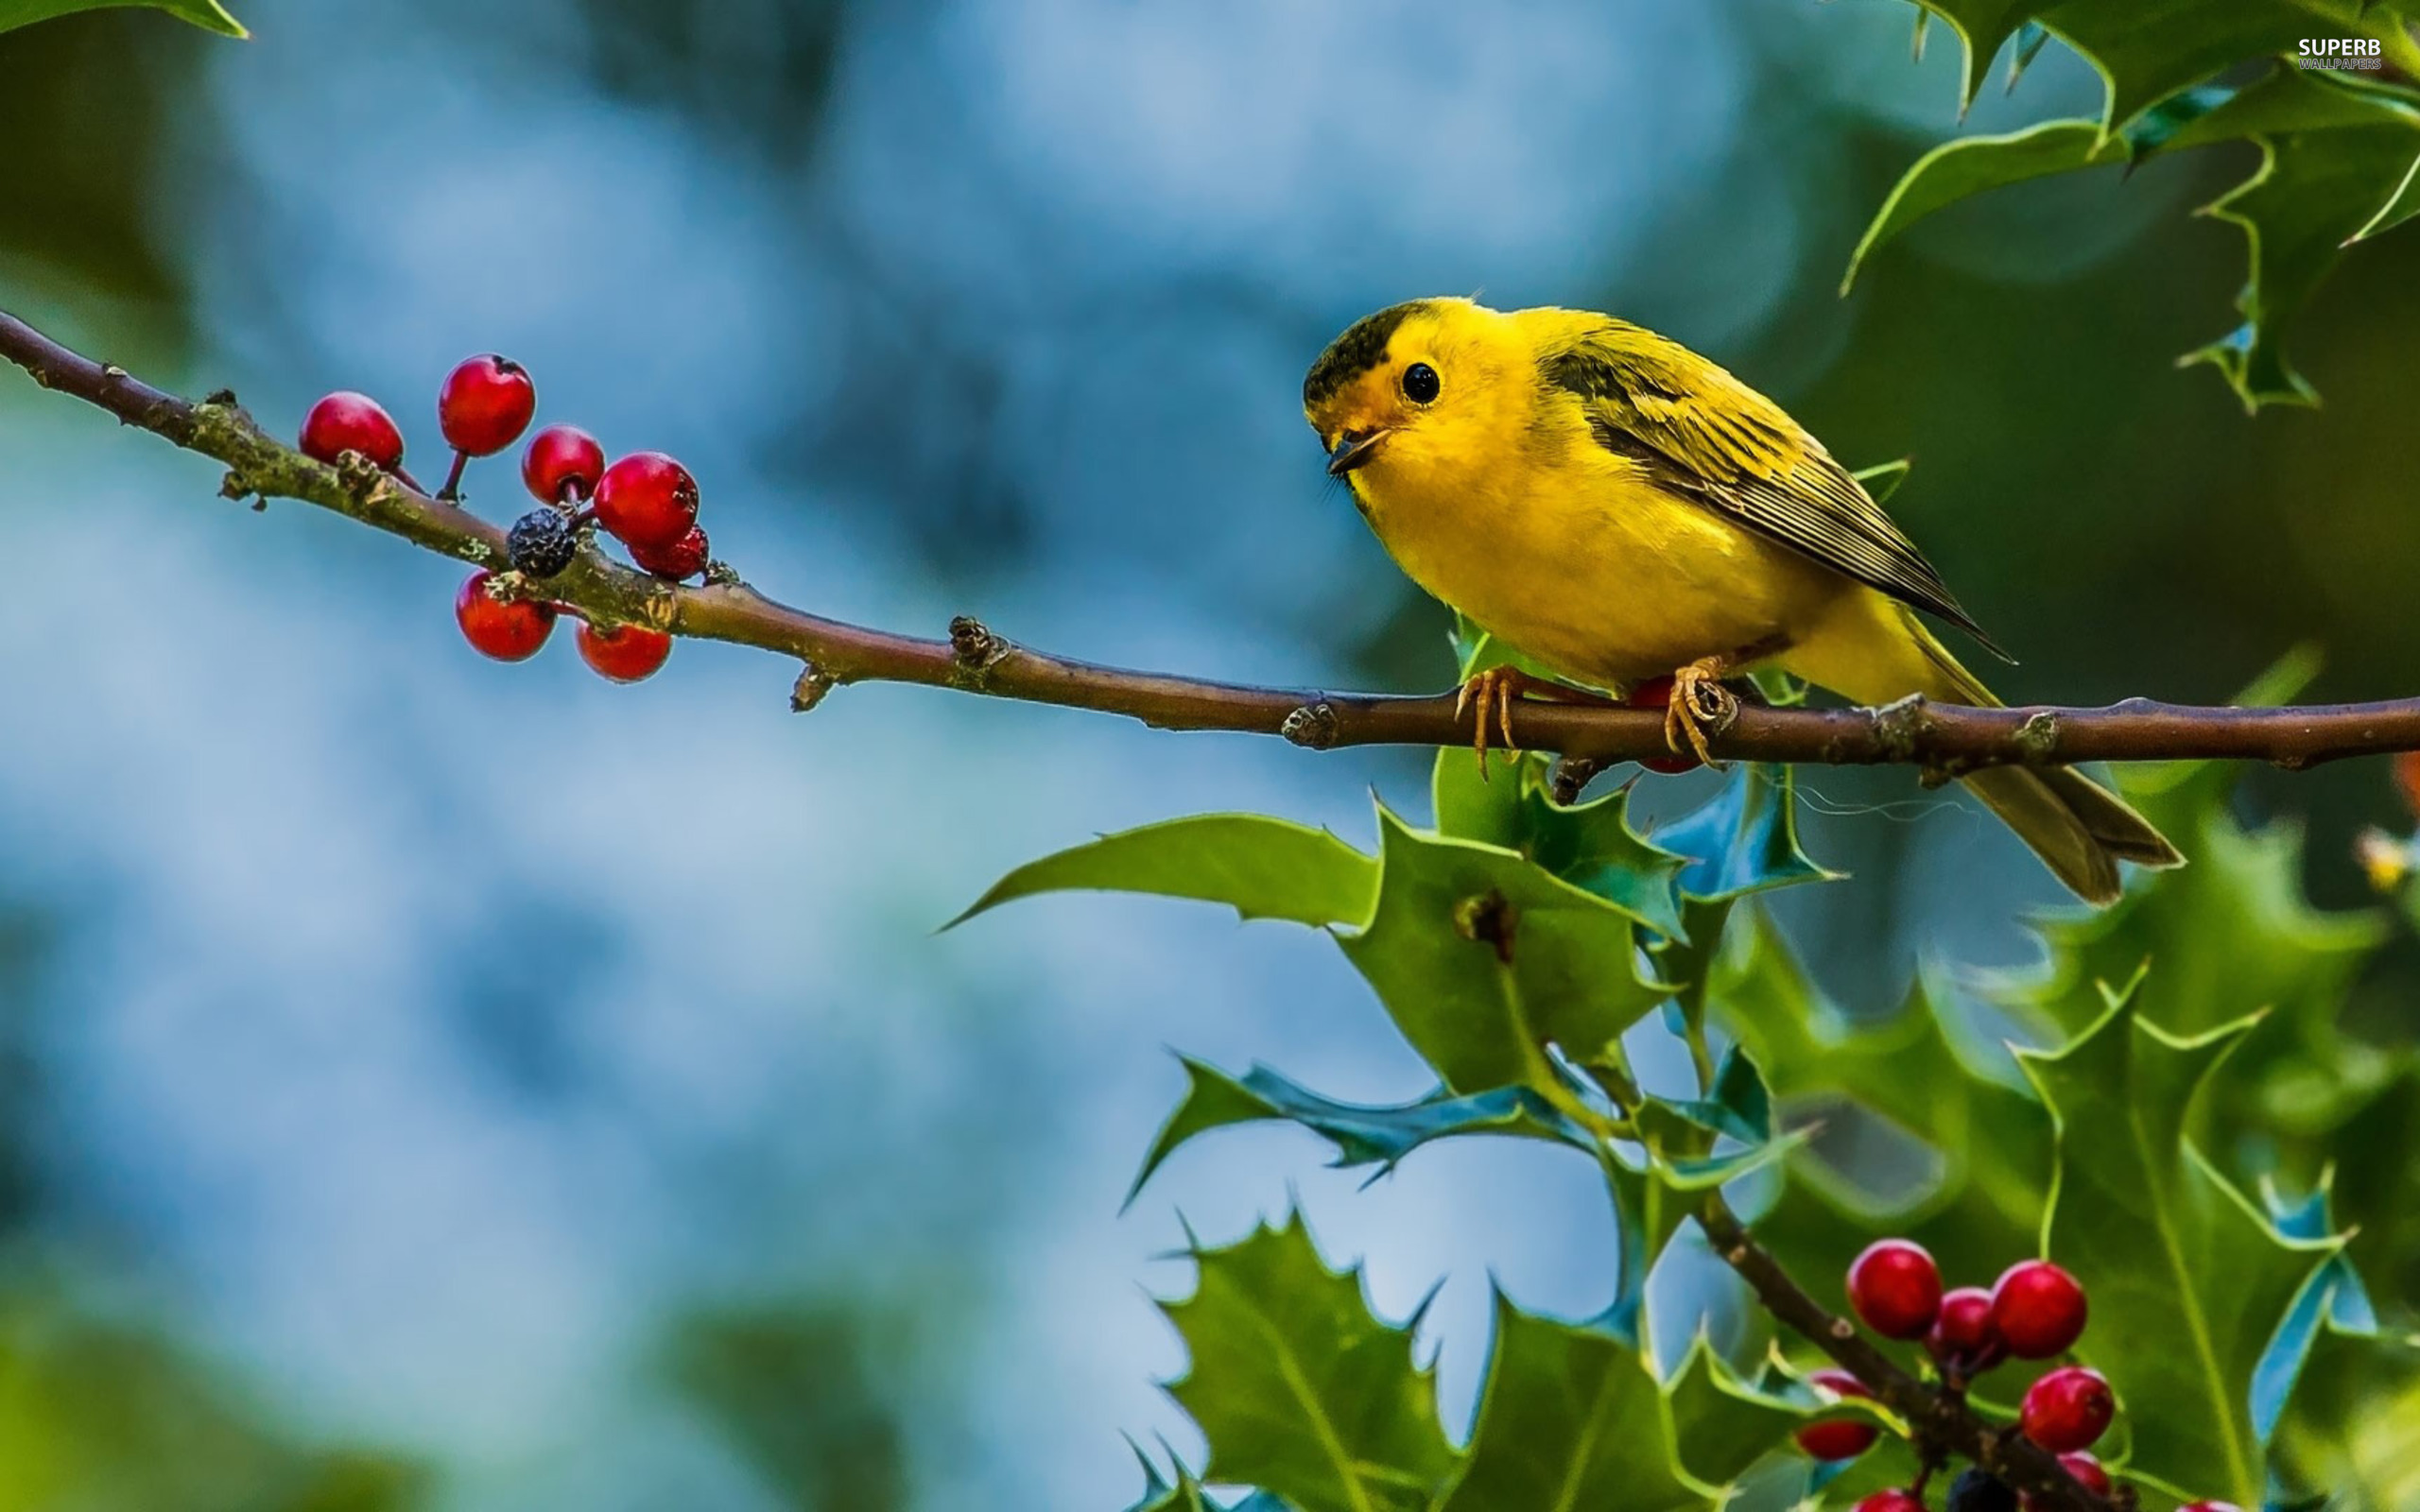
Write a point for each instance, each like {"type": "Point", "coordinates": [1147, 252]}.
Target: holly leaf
{"type": "Point", "coordinates": [1482, 959]}
{"type": "Point", "coordinates": [2229, 937]}
{"type": "Point", "coordinates": [1744, 839]}
{"type": "Point", "coordinates": [1297, 1389]}
{"type": "Point", "coordinates": [2144, 50]}
{"type": "Point", "coordinates": [1262, 868]}
{"type": "Point", "coordinates": [1362, 1135]}
{"type": "Point", "coordinates": [1739, 1106]}
{"type": "Point", "coordinates": [1983, 1145]}
{"type": "Point", "coordinates": [2318, 190]}
{"type": "Point", "coordinates": [2189, 1280]}
{"type": "Point", "coordinates": [1572, 1417]}
{"type": "Point", "coordinates": [1589, 845]}
{"type": "Point", "coordinates": [1721, 1424]}
{"type": "Point", "coordinates": [207, 14]}
{"type": "Point", "coordinates": [2339, 155]}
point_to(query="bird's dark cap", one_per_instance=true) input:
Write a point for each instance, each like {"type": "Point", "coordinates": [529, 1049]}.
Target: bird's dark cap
{"type": "Point", "coordinates": [1363, 346]}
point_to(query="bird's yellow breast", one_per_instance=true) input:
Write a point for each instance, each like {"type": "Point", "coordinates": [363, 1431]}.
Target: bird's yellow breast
{"type": "Point", "coordinates": [1567, 550]}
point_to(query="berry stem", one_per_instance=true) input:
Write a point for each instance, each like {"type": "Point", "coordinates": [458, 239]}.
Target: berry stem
{"type": "Point", "coordinates": [452, 492]}
{"type": "Point", "coordinates": [1940, 1423]}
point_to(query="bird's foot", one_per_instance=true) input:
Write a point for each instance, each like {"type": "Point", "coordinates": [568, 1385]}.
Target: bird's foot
{"type": "Point", "coordinates": [1700, 706]}
{"type": "Point", "coordinates": [1494, 691]}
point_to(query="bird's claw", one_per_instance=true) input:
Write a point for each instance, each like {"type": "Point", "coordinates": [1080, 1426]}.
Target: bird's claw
{"type": "Point", "coordinates": [1700, 706]}
{"type": "Point", "coordinates": [1494, 690]}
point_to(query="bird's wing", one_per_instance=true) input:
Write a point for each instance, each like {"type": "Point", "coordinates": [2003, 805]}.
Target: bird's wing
{"type": "Point", "coordinates": [1705, 436]}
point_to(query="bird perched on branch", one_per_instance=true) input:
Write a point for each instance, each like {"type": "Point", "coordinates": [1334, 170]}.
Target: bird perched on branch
{"type": "Point", "coordinates": [1620, 508]}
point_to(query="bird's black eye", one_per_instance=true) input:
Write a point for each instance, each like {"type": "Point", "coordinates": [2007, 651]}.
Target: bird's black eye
{"type": "Point", "coordinates": [1419, 383]}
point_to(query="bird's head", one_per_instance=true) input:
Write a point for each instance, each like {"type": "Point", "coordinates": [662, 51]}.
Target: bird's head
{"type": "Point", "coordinates": [1398, 384]}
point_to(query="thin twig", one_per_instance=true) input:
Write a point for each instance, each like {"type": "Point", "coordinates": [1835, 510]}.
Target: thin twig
{"type": "Point", "coordinates": [1944, 739]}
{"type": "Point", "coordinates": [1933, 1416]}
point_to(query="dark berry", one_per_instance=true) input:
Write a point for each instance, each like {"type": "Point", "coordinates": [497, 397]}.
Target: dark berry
{"type": "Point", "coordinates": [1895, 1287]}
{"type": "Point", "coordinates": [346, 422]}
{"type": "Point", "coordinates": [486, 404]}
{"type": "Point", "coordinates": [1656, 693]}
{"type": "Point", "coordinates": [542, 542]}
{"type": "Point", "coordinates": [1891, 1500]}
{"type": "Point", "coordinates": [626, 653]}
{"type": "Point", "coordinates": [563, 462]}
{"type": "Point", "coordinates": [685, 558]}
{"type": "Point", "coordinates": [1836, 1439]}
{"type": "Point", "coordinates": [1978, 1490]}
{"type": "Point", "coordinates": [2068, 1409]}
{"type": "Point", "coordinates": [507, 629]}
{"type": "Point", "coordinates": [1963, 1336]}
{"type": "Point", "coordinates": [2038, 1309]}
{"type": "Point", "coordinates": [647, 499]}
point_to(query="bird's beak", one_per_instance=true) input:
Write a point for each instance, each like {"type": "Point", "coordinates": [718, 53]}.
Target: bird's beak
{"type": "Point", "coordinates": [1352, 448]}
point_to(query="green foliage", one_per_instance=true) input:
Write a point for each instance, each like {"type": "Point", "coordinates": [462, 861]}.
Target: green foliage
{"type": "Point", "coordinates": [1514, 946]}
{"type": "Point", "coordinates": [1305, 1395]}
{"type": "Point", "coordinates": [208, 14]}
{"type": "Point", "coordinates": [1362, 1135]}
{"type": "Point", "coordinates": [796, 1392]}
{"type": "Point", "coordinates": [1261, 868]}
{"type": "Point", "coordinates": [1573, 1416]}
{"type": "Point", "coordinates": [2189, 1280]}
{"type": "Point", "coordinates": [1482, 958]}
{"type": "Point", "coordinates": [1299, 1389]}
{"type": "Point", "coordinates": [99, 1413]}
{"type": "Point", "coordinates": [2339, 154]}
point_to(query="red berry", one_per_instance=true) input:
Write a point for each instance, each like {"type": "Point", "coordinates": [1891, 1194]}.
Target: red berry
{"type": "Point", "coordinates": [626, 653]}
{"type": "Point", "coordinates": [1838, 1437]}
{"type": "Point", "coordinates": [685, 557]}
{"type": "Point", "coordinates": [2407, 779]}
{"type": "Point", "coordinates": [2210, 1507]}
{"type": "Point", "coordinates": [1891, 1500]}
{"type": "Point", "coordinates": [2068, 1409]}
{"type": "Point", "coordinates": [507, 629]}
{"type": "Point", "coordinates": [562, 457]}
{"type": "Point", "coordinates": [1895, 1287]}
{"type": "Point", "coordinates": [486, 404]}
{"type": "Point", "coordinates": [1964, 1334]}
{"type": "Point", "coordinates": [1656, 693]}
{"type": "Point", "coordinates": [346, 422]}
{"type": "Point", "coordinates": [2038, 1309]}
{"type": "Point", "coordinates": [648, 500]}
{"type": "Point", "coordinates": [2087, 1471]}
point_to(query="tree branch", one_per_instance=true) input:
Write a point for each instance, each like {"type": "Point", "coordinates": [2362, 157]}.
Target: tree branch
{"type": "Point", "coordinates": [1934, 1416]}
{"type": "Point", "coordinates": [1945, 739]}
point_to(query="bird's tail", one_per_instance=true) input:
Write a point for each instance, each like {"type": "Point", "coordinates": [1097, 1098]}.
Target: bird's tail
{"type": "Point", "coordinates": [2079, 829]}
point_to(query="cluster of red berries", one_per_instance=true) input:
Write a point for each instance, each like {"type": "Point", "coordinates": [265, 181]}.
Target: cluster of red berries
{"type": "Point", "coordinates": [2035, 1312]}
{"type": "Point", "coordinates": [647, 500]}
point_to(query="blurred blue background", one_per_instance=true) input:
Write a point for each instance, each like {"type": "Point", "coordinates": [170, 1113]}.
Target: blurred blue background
{"type": "Point", "coordinates": [559, 1090]}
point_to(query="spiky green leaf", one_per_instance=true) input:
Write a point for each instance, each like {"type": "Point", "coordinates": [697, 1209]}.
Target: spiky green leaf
{"type": "Point", "coordinates": [1297, 1389]}
{"type": "Point", "coordinates": [1483, 959]}
{"type": "Point", "coordinates": [2189, 1280]}
{"type": "Point", "coordinates": [1589, 845]}
{"type": "Point", "coordinates": [1260, 866]}
{"type": "Point", "coordinates": [1362, 1134]}
{"type": "Point", "coordinates": [208, 14]}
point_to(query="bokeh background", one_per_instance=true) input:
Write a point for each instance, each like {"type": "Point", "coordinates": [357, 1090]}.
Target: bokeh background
{"type": "Point", "coordinates": [435, 1083]}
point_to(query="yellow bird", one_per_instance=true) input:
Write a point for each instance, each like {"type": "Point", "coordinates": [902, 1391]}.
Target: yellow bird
{"type": "Point", "coordinates": [1620, 508]}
